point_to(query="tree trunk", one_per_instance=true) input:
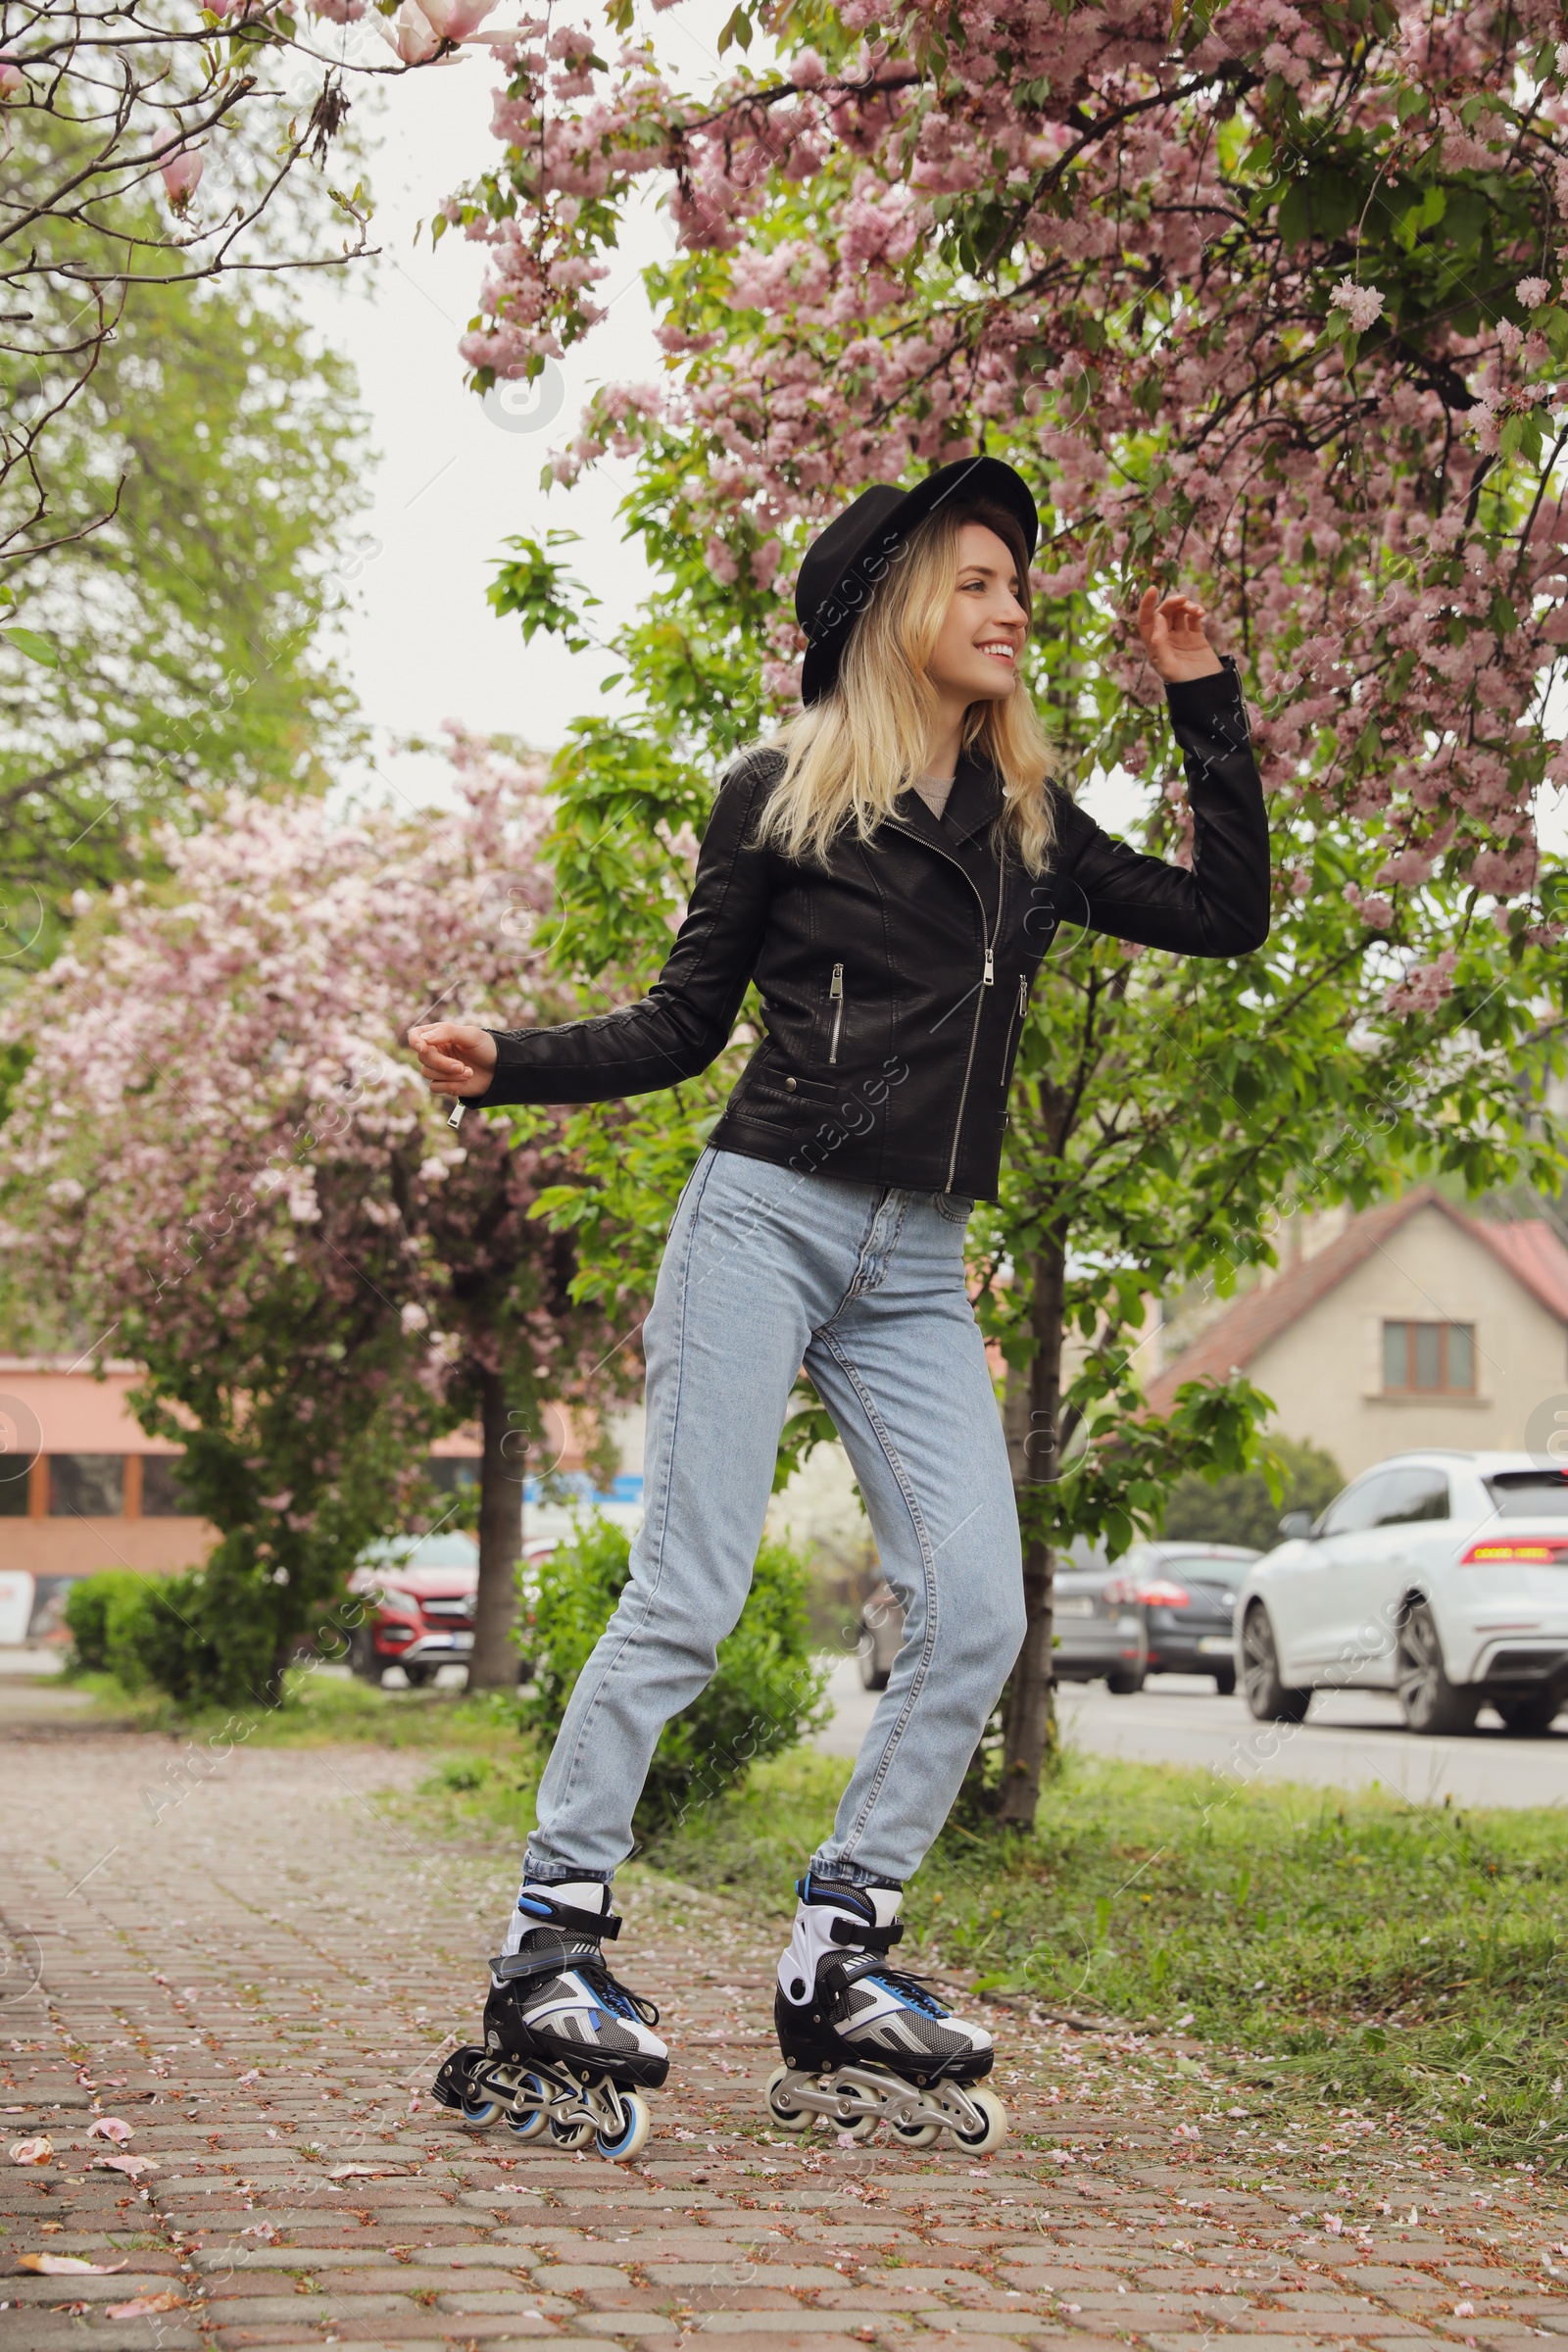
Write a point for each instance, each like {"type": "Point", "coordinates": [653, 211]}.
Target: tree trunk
{"type": "Point", "coordinates": [1034, 1437]}
{"type": "Point", "coordinates": [493, 1665]}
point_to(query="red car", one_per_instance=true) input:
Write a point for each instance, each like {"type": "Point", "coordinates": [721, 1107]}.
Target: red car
{"type": "Point", "coordinates": [420, 1613]}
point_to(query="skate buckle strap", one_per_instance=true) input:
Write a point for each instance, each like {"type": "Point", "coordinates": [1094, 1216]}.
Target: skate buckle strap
{"type": "Point", "coordinates": [838, 1975]}
{"type": "Point", "coordinates": [867, 1940]}
{"type": "Point", "coordinates": [605, 1924]}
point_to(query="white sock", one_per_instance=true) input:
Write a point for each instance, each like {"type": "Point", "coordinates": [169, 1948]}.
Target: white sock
{"type": "Point", "coordinates": [814, 1936]}
{"type": "Point", "coordinates": [584, 1895]}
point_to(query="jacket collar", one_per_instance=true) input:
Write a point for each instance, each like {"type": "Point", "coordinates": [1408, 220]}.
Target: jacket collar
{"type": "Point", "coordinates": [974, 802]}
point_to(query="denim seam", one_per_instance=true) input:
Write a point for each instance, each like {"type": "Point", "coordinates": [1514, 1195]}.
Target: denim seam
{"type": "Point", "coordinates": [928, 1563]}
{"type": "Point", "coordinates": [852, 1290]}
{"type": "Point", "coordinates": [670, 1453]}
{"type": "Point", "coordinates": [861, 1286]}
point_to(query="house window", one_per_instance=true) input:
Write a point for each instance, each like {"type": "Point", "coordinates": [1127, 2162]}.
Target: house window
{"type": "Point", "coordinates": [1429, 1360]}
{"type": "Point", "coordinates": [162, 1496]}
{"type": "Point", "coordinates": [452, 1473]}
{"type": "Point", "coordinates": [86, 1486]}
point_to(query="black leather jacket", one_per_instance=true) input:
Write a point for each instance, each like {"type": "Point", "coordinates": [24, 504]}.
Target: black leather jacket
{"type": "Point", "coordinates": [894, 979]}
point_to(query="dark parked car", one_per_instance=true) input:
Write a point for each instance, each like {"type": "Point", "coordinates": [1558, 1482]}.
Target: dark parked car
{"type": "Point", "coordinates": [1098, 1634]}
{"type": "Point", "coordinates": [1185, 1595]}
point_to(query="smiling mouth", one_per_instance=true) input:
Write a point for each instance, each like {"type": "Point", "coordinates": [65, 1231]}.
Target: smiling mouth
{"type": "Point", "coordinates": [999, 650]}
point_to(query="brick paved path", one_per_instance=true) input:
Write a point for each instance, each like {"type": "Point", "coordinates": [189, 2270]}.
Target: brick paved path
{"type": "Point", "coordinates": [259, 1982]}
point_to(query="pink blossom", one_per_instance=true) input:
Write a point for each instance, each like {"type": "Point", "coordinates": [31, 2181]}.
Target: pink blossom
{"type": "Point", "coordinates": [1375, 910]}
{"type": "Point", "coordinates": [181, 174]}
{"type": "Point", "coordinates": [411, 34]}
{"type": "Point", "coordinates": [721, 562]}
{"type": "Point", "coordinates": [457, 20]}
{"type": "Point", "coordinates": [12, 78]}
{"type": "Point", "coordinates": [1363, 304]}
{"type": "Point", "coordinates": [1407, 866]}
{"type": "Point", "coordinates": [1532, 291]}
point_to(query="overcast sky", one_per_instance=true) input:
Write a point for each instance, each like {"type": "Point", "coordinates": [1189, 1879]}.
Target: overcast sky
{"type": "Point", "coordinates": [454, 481]}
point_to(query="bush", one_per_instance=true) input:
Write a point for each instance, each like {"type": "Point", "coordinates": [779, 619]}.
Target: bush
{"type": "Point", "coordinates": [150, 1628]}
{"type": "Point", "coordinates": [765, 1696]}
{"type": "Point", "coordinates": [96, 1607]}
{"type": "Point", "coordinates": [1239, 1509]}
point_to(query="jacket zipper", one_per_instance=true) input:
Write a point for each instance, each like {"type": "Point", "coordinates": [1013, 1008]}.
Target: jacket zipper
{"type": "Point", "coordinates": [1020, 1017]}
{"type": "Point", "coordinates": [989, 937]}
{"type": "Point", "coordinates": [835, 997]}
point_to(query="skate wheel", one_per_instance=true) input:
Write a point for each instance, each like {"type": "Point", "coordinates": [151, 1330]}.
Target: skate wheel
{"type": "Point", "coordinates": [857, 2127]}
{"type": "Point", "coordinates": [633, 2139]}
{"type": "Point", "coordinates": [573, 2136]}
{"type": "Point", "coordinates": [914, 2135]}
{"type": "Point", "coordinates": [534, 2120]}
{"type": "Point", "coordinates": [478, 2115]}
{"type": "Point", "coordinates": [781, 2108]}
{"type": "Point", "coordinates": [980, 2144]}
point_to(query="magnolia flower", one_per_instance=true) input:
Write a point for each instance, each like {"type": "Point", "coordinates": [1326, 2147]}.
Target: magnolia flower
{"type": "Point", "coordinates": [1532, 291]}
{"type": "Point", "coordinates": [1363, 304]}
{"type": "Point", "coordinates": [110, 2127]}
{"type": "Point", "coordinates": [411, 34]}
{"type": "Point", "coordinates": [12, 78]}
{"type": "Point", "coordinates": [456, 19]}
{"type": "Point", "coordinates": [182, 176]}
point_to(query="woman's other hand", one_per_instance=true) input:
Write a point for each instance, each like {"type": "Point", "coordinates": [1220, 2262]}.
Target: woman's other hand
{"type": "Point", "coordinates": [1172, 630]}
{"type": "Point", "coordinates": [454, 1059]}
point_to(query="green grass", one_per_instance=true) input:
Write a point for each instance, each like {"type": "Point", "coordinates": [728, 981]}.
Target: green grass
{"type": "Point", "coordinates": [1348, 1949]}
{"type": "Point", "coordinates": [1328, 1948]}
{"type": "Point", "coordinates": [319, 1710]}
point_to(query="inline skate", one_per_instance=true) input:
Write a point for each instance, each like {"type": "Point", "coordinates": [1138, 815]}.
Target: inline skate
{"type": "Point", "coordinates": [865, 2043]}
{"type": "Point", "coordinates": [568, 2050]}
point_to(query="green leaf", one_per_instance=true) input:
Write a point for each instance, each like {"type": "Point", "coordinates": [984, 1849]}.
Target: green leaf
{"type": "Point", "coordinates": [36, 648]}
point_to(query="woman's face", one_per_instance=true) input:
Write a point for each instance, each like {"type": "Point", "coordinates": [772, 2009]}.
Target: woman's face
{"type": "Point", "coordinates": [981, 643]}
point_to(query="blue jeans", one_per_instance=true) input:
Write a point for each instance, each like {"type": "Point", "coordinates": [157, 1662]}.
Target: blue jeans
{"type": "Point", "coordinates": [863, 1283]}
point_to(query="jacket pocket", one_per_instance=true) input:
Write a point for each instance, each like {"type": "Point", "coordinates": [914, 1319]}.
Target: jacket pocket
{"type": "Point", "coordinates": [835, 997]}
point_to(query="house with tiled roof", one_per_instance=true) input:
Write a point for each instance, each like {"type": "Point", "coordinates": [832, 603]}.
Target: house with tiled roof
{"type": "Point", "coordinates": [1411, 1324]}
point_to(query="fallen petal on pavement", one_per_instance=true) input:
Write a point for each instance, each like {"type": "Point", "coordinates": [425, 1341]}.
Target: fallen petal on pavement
{"type": "Point", "coordinates": [55, 2265]}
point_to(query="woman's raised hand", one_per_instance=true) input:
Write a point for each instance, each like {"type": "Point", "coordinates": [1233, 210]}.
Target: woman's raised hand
{"type": "Point", "coordinates": [454, 1058]}
{"type": "Point", "coordinates": [1172, 630]}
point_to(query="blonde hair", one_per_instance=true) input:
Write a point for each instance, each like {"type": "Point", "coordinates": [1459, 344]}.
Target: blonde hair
{"type": "Point", "coordinates": [849, 757]}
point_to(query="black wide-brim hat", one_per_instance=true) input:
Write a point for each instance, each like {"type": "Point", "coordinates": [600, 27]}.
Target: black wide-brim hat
{"type": "Point", "coordinates": [844, 561]}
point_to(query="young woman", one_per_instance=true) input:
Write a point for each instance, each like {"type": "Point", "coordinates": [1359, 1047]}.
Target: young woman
{"type": "Point", "coordinates": [889, 870]}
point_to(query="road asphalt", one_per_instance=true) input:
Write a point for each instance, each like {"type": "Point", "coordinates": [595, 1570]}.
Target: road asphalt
{"type": "Point", "coordinates": [1352, 1739]}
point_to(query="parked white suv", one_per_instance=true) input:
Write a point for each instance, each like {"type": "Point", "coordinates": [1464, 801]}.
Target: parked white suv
{"type": "Point", "coordinates": [1442, 1576]}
